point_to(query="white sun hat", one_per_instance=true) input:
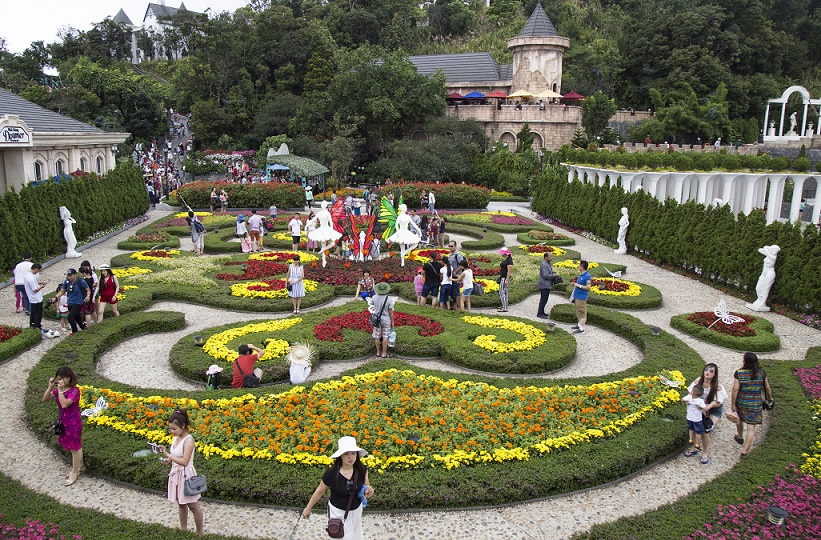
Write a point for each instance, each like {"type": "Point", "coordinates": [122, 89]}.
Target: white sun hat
{"type": "Point", "coordinates": [301, 353]}
{"type": "Point", "coordinates": [348, 444]}
{"type": "Point", "coordinates": [213, 369]}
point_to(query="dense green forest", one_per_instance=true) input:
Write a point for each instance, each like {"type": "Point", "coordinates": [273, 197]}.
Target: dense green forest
{"type": "Point", "coordinates": [333, 76]}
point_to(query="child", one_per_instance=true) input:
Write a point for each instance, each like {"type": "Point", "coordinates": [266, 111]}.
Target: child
{"type": "Point", "coordinates": [62, 312]}
{"type": "Point", "coordinates": [345, 247]}
{"type": "Point", "coordinates": [246, 243]}
{"type": "Point", "coordinates": [418, 283]}
{"type": "Point", "coordinates": [695, 423]}
{"type": "Point", "coordinates": [375, 247]}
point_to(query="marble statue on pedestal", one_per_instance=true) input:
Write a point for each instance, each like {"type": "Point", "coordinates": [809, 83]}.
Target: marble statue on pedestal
{"type": "Point", "coordinates": [765, 281]}
{"type": "Point", "coordinates": [624, 222]}
{"type": "Point", "coordinates": [793, 122]}
{"type": "Point", "coordinates": [68, 233]}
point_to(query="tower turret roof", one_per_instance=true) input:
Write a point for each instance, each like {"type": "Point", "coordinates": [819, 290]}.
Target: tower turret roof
{"type": "Point", "coordinates": [538, 25]}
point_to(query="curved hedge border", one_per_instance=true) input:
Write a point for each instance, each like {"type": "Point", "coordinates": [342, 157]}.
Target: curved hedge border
{"type": "Point", "coordinates": [765, 339]}
{"type": "Point", "coordinates": [109, 453]}
{"type": "Point", "coordinates": [526, 239]}
{"type": "Point", "coordinates": [173, 242]}
{"type": "Point", "coordinates": [198, 194]}
{"type": "Point", "coordinates": [454, 345]}
{"type": "Point", "coordinates": [484, 239]}
{"type": "Point", "coordinates": [650, 298]}
{"type": "Point", "coordinates": [791, 432]}
{"type": "Point", "coordinates": [498, 227]}
{"type": "Point", "coordinates": [25, 340]}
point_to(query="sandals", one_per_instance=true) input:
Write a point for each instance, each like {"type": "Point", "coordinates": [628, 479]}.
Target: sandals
{"type": "Point", "coordinates": [705, 460]}
{"type": "Point", "coordinates": [738, 439]}
{"type": "Point", "coordinates": [690, 452]}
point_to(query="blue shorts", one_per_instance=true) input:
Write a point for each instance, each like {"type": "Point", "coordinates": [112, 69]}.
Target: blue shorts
{"type": "Point", "coordinates": [698, 427]}
{"type": "Point", "coordinates": [454, 291]}
{"type": "Point", "coordinates": [430, 289]}
{"type": "Point", "coordinates": [444, 293]}
{"type": "Point", "coordinates": [467, 292]}
{"type": "Point", "coordinates": [364, 295]}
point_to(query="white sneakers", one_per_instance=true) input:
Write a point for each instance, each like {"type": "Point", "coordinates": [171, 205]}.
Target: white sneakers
{"type": "Point", "coordinates": [50, 334]}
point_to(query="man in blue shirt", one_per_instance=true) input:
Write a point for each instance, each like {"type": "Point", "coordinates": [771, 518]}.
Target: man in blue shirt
{"type": "Point", "coordinates": [78, 293]}
{"type": "Point", "coordinates": [580, 295]}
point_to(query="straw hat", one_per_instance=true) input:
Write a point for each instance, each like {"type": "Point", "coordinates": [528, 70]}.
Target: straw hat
{"type": "Point", "coordinates": [382, 288]}
{"type": "Point", "coordinates": [301, 353]}
{"type": "Point", "coordinates": [348, 444]}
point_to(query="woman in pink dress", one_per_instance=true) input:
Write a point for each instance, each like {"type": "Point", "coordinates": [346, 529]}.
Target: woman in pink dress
{"type": "Point", "coordinates": [106, 292]}
{"type": "Point", "coordinates": [181, 457]}
{"type": "Point", "coordinates": [63, 388]}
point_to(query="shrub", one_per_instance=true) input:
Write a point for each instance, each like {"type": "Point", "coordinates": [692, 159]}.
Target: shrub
{"type": "Point", "coordinates": [198, 194]}
{"type": "Point", "coordinates": [447, 195]}
{"type": "Point", "coordinates": [22, 341]}
{"type": "Point", "coordinates": [764, 339]}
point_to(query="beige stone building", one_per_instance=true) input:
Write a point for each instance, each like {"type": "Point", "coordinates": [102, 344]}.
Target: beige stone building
{"type": "Point", "coordinates": [36, 144]}
{"type": "Point", "coordinates": [536, 71]}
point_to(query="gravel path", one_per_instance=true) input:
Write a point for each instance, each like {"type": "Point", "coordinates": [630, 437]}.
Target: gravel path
{"type": "Point", "coordinates": [599, 353]}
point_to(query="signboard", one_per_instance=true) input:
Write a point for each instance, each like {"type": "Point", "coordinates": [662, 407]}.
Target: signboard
{"type": "Point", "coordinates": [14, 135]}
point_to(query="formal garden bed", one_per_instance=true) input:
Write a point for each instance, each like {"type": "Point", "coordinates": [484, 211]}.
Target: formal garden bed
{"type": "Point", "coordinates": [751, 333]}
{"type": "Point", "coordinates": [535, 236]}
{"type": "Point", "coordinates": [14, 341]}
{"type": "Point", "coordinates": [505, 222]}
{"type": "Point", "coordinates": [478, 342]}
{"type": "Point", "coordinates": [634, 404]}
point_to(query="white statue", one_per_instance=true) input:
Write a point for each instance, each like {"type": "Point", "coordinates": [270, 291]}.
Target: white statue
{"type": "Point", "coordinates": [404, 236]}
{"type": "Point", "coordinates": [765, 281]}
{"type": "Point", "coordinates": [68, 233]}
{"type": "Point", "coordinates": [718, 203]}
{"type": "Point", "coordinates": [793, 122]}
{"type": "Point", "coordinates": [361, 256]}
{"type": "Point", "coordinates": [624, 222]}
{"type": "Point", "coordinates": [325, 234]}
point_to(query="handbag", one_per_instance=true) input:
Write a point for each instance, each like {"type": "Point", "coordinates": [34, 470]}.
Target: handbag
{"type": "Point", "coordinates": [289, 286]}
{"type": "Point", "coordinates": [57, 427]}
{"type": "Point", "coordinates": [557, 279]}
{"type": "Point", "coordinates": [708, 422]}
{"type": "Point", "coordinates": [336, 526]}
{"type": "Point", "coordinates": [194, 485]}
{"type": "Point", "coordinates": [248, 381]}
{"type": "Point", "coordinates": [376, 319]}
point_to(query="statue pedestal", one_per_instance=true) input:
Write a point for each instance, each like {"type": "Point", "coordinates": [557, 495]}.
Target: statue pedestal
{"type": "Point", "coordinates": [756, 307]}
{"type": "Point", "coordinates": [620, 251]}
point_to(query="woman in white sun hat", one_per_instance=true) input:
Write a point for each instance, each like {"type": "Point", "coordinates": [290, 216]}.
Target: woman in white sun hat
{"type": "Point", "coordinates": [300, 361]}
{"type": "Point", "coordinates": [348, 480]}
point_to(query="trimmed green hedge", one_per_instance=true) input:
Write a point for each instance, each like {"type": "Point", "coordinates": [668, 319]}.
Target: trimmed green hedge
{"type": "Point", "coordinates": [650, 298]}
{"type": "Point", "coordinates": [97, 203]}
{"type": "Point", "coordinates": [498, 227]}
{"type": "Point", "coordinates": [173, 242]}
{"type": "Point", "coordinates": [452, 345]}
{"type": "Point", "coordinates": [484, 239]}
{"type": "Point", "coordinates": [447, 195]}
{"type": "Point", "coordinates": [20, 504]}
{"type": "Point", "coordinates": [25, 340]}
{"type": "Point", "coordinates": [765, 339]}
{"type": "Point", "coordinates": [526, 239]}
{"type": "Point", "coordinates": [198, 194]}
{"type": "Point", "coordinates": [110, 453]}
{"type": "Point", "coordinates": [792, 432]}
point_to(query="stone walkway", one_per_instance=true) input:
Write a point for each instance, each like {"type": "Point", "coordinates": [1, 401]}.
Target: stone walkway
{"type": "Point", "coordinates": [599, 353]}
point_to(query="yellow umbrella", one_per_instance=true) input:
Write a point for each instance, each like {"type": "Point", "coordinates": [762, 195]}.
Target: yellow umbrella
{"type": "Point", "coordinates": [520, 94]}
{"type": "Point", "coordinates": [548, 94]}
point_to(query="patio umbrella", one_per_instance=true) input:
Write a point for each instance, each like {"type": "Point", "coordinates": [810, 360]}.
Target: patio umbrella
{"type": "Point", "coordinates": [475, 95]}
{"type": "Point", "coordinates": [573, 96]}
{"type": "Point", "coordinates": [520, 94]}
{"type": "Point", "coordinates": [455, 95]}
{"type": "Point", "coordinates": [548, 94]}
{"type": "Point", "coordinates": [496, 94]}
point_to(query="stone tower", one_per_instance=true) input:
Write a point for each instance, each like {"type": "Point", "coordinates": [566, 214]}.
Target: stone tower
{"type": "Point", "coordinates": [537, 55]}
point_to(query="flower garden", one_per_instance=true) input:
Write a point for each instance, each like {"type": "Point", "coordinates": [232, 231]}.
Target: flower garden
{"type": "Point", "coordinates": [436, 439]}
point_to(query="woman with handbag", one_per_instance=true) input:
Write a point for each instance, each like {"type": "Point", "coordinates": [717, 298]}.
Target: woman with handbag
{"type": "Point", "coordinates": [181, 458]}
{"type": "Point", "coordinates": [750, 381]}
{"type": "Point", "coordinates": [295, 285]}
{"type": "Point", "coordinates": [350, 487]}
{"type": "Point", "coordinates": [63, 388]}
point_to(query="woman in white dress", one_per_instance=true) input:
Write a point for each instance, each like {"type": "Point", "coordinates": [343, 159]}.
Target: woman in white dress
{"type": "Point", "coordinates": [295, 276]}
{"type": "Point", "coordinates": [324, 233]}
{"type": "Point", "coordinates": [404, 235]}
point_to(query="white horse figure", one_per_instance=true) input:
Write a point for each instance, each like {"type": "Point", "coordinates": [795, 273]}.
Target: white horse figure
{"type": "Point", "coordinates": [68, 234]}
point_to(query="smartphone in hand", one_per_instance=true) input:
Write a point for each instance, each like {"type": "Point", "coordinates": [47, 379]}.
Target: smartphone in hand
{"type": "Point", "coordinates": [155, 448]}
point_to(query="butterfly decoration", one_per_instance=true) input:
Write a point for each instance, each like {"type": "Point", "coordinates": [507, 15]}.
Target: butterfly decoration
{"type": "Point", "coordinates": [365, 248]}
{"type": "Point", "coordinates": [724, 315]}
{"type": "Point", "coordinates": [614, 275]}
{"type": "Point", "coordinates": [99, 407]}
{"type": "Point", "coordinates": [338, 215]}
{"type": "Point", "coordinates": [387, 215]}
{"type": "Point", "coordinates": [668, 382]}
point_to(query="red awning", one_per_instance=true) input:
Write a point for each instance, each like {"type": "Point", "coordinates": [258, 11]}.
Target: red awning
{"type": "Point", "coordinates": [496, 94]}
{"type": "Point", "coordinates": [455, 95]}
{"type": "Point", "coordinates": [573, 96]}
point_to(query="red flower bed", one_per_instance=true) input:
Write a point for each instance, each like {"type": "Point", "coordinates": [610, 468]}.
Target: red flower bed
{"type": "Point", "coordinates": [545, 236]}
{"type": "Point", "coordinates": [255, 270]}
{"type": "Point", "coordinates": [153, 238]}
{"type": "Point", "coordinates": [480, 258]}
{"type": "Point", "coordinates": [506, 220]}
{"type": "Point", "coordinates": [707, 318]}
{"type": "Point", "coordinates": [331, 330]}
{"type": "Point", "coordinates": [540, 249]}
{"type": "Point", "coordinates": [158, 253]}
{"type": "Point", "coordinates": [8, 332]}
{"type": "Point", "coordinates": [337, 274]}
{"type": "Point", "coordinates": [271, 285]}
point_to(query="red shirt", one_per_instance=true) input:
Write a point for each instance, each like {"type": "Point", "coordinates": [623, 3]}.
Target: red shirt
{"type": "Point", "coordinates": [246, 362]}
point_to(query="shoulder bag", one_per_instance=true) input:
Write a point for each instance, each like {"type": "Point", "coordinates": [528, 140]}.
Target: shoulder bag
{"type": "Point", "coordinates": [767, 403]}
{"type": "Point", "coordinates": [336, 526]}
{"type": "Point", "coordinates": [57, 426]}
{"type": "Point", "coordinates": [376, 319]}
{"type": "Point", "coordinates": [557, 279]}
{"type": "Point", "coordinates": [194, 485]}
{"type": "Point", "coordinates": [248, 381]}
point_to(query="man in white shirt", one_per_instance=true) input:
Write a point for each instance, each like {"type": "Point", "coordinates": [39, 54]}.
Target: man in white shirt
{"type": "Point", "coordinates": [295, 226]}
{"type": "Point", "coordinates": [20, 272]}
{"type": "Point", "coordinates": [431, 201]}
{"type": "Point", "coordinates": [254, 229]}
{"type": "Point", "coordinates": [34, 291]}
